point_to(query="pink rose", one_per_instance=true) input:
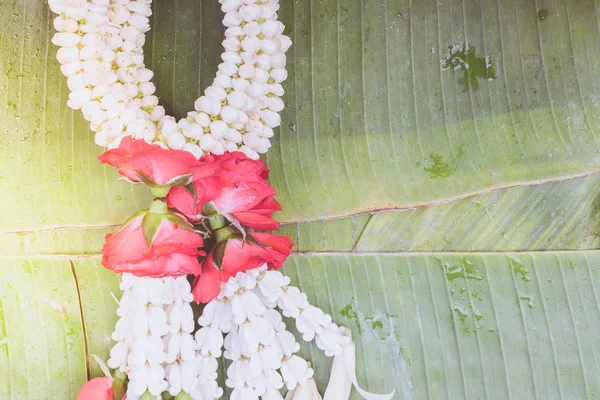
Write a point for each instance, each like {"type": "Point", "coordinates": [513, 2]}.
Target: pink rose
{"type": "Point", "coordinates": [139, 162]}
{"type": "Point", "coordinates": [240, 190]}
{"type": "Point", "coordinates": [156, 243]}
{"type": "Point", "coordinates": [97, 389]}
{"type": "Point", "coordinates": [237, 256]}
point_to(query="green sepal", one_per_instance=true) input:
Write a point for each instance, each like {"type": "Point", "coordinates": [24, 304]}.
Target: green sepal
{"type": "Point", "coordinates": [119, 384]}
{"type": "Point", "coordinates": [131, 219]}
{"type": "Point", "coordinates": [160, 192]}
{"type": "Point", "coordinates": [209, 210]}
{"type": "Point", "coordinates": [147, 396]}
{"type": "Point", "coordinates": [181, 180]}
{"type": "Point", "coordinates": [218, 254]}
{"type": "Point", "coordinates": [250, 239]}
{"type": "Point", "coordinates": [151, 225]}
{"type": "Point", "coordinates": [233, 220]}
{"type": "Point", "coordinates": [190, 187]}
{"type": "Point", "coordinates": [183, 396]}
{"type": "Point", "coordinates": [180, 220]}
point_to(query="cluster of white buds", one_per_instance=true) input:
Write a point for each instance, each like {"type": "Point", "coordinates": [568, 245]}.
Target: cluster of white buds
{"type": "Point", "coordinates": [101, 52]}
{"type": "Point", "coordinates": [155, 343]}
{"type": "Point", "coordinates": [262, 351]}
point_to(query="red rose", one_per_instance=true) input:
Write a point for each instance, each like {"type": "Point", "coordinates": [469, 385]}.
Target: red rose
{"type": "Point", "coordinates": [237, 165]}
{"type": "Point", "coordinates": [240, 257]}
{"type": "Point", "coordinates": [190, 203]}
{"type": "Point", "coordinates": [240, 190]}
{"type": "Point", "coordinates": [251, 203]}
{"type": "Point", "coordinates": [97, 389]}
{"type": "Point", "coordinates": [154, 244]}
{"type": "Point", "coordinates": [139, 162]}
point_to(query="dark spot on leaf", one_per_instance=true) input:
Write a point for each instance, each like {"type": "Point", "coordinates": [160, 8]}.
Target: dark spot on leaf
{"type": "Point", "coordinates": [542, 14]}
{"type": "Point", "coordinates": [463, 59]}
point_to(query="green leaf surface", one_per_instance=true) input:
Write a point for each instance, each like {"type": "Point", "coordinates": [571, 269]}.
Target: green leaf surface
{"type": "Point", "coordinates": [463, 326]}
{"type": "Point", "coordinates": [42, 341]}
{"type": "Point", "coordinates": [553, 216]}
{"type": "Point", "coordinates": [443, 326]}
{"type": "Point", "coordinates": [375, 122]}
{"type": "Point", "coordinates": [49, 173]}
{"type": "Point", "coordinates": [388, 144]}
{"type": "Point", "coordinates": [99, 291]}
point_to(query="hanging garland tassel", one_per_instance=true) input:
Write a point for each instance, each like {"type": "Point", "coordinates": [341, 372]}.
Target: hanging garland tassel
{"type": "Point", "coordinates": [210, 190]}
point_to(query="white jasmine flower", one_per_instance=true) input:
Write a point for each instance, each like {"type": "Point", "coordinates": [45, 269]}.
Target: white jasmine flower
{"type": "Point", "coordinates": [252, 28]}
{"type": "Point", "coordinates": [194, 149]}
{"type": "Point", "coordinates": [79, 98]}
{"type": "Point", "coordinates": [278, 60]}
{"type": "Point", "coordinates": [66, 55]}
{"type": "Point", "coordinates": [246, 306]}
{"type": "Point", "coordinates": [295, 371]}
{"type": "Point", "coordinates": [238, 100]}
{"type": "Point", "coordinates": [240, 85]}
{"type": "Point", "coordinates": [230, 115]}
{"type": "Point", "coordinates": [209, 105]}
{"type": "Point", "coordinates": [231, 57]}
{"type": "Point", "coordinates": [203, 119]}
{"type": "Point", "coordinates": [231, 147]}
{"type": "Point", "coordinates": [267, 11]}
{"type": "Point", "coordinates": [251, 44]}
{"type": "Point", "coordinates": [233, 135]}
{"type": "Point", "coordinates": [275, 104]}
{"type": "Point", "coordinates": [157, 114]}
{"type": "Point", "coordinates": [272, 28]}
{"type": "Point", "coordinates": [232, 44]}
{"type": "Point", "coordinates": [268, 46]}
{"type": "Point", "coordinates": [272, 394]}
{"type": "Point", "coordinates": [276, 89]}
{"type": "Point", "coordinates": [284, 43]}
{"type": "Point", "coordinates": [261, 76]}
{"type": "Point", "coordinates": [66, 39]}
{"type": "Point", "coordinates": [232, 18]}
{"type": "Point", "coordinates": [249, 13]}
{"type": "Point", "coordinates": [231, 5]}
{"type": "Point", "coordinates": [66, 25]}
{"type": "Point", "coordinates": [69, 69]}
{"type": "Point", "coordinates": [176, 140]}
{"type": "Point", "coordinates": [218, 128]}
{"type": "Point", "coordinates": [194, 131]}
{"type": "Point", "coordinates": [223, 81]}
{"type": "Point", "coordinates": [306, 391]}
{"type": "Point", "coordinates": [255, 333]}
{"type": "Point", "coordinates": [278, 74]}
{"type": "Point", "coordinates": [247, 71]}
{"type": "Point", "coordinates": [234, 31]}
{"type": "Point", "coordinates": [216, 92]}
{"type": "Point", "coordinates": [210, 341]}
{"type": "Point", "coordinates": [270, 118]}
{"type": "Point", "coordinates": [264, 62]}
{"type": "Point", "coordinates": [208, 142]}
{"type": "Point", "coordinates": [252, 154]}
{"type": "Point", "coordinates": [140, 22]}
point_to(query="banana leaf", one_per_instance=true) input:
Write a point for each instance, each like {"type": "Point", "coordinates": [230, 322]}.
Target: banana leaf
{"type": "Point", "coordinates": [437, 165]}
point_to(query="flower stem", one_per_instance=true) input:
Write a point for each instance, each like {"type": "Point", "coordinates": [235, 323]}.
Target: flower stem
{"type": "Point", "coordinates": [160, 191]}
{"type": "Point", "coordinates": [223, 234]}
{"type": "Point", "coordinates": [158, 207]}
{"type": "Point", "coordinates": [216, 222]}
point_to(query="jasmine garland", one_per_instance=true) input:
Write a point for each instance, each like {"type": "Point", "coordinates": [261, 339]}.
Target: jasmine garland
{"type": "Point", "coordinates": [209, 192]}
